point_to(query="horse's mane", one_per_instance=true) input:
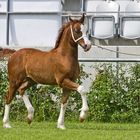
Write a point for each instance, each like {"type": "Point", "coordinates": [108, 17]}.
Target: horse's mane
{"type": "Point", "coordinates": [61, 30]}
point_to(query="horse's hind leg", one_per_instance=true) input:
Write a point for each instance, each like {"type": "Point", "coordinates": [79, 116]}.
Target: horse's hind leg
{"type": "Point", "coordinates": [9, 98]}
{"type": "Point", "coordinates": [26, 100]}
{"type": "Point", "coordinates": [65, 96]}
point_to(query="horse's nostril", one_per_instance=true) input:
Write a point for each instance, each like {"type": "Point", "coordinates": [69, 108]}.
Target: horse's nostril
{"type": "Point", "coordinates": [84, 47]}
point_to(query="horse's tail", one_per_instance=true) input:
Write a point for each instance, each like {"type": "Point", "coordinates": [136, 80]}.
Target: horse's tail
{"type": "Point", "coordinates": [6, 52]}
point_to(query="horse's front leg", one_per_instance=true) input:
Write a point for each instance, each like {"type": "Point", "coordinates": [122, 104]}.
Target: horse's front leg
{"type": "Point", "coordinates": [64, 101]}
{"type": "Point", "coordinates": [73, 86]}
{"type": "Point", "coordinates": [84, 109]}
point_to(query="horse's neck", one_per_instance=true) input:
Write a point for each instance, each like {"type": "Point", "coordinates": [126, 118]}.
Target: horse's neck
{"type": "Point", "coordinates": [67, 46]}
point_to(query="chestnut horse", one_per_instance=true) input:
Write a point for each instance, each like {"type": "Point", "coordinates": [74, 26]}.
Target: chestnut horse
{"type": "Point", "coordinates": [59, 66]}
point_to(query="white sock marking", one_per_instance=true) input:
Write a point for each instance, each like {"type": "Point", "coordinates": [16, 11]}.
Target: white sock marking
{"type": "Point", "coordinates": [6, 116]}
{"type": "Point", "coordinates": [84, 108]}
{"type": "Point", "coordinates": [28, 106]}
{"type": "Point", "coordinates": [60, 123]}
{"type": "Point", "coordinates": [81, 90]}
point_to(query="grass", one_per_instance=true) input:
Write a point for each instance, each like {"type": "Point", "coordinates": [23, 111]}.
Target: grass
{"type": "Point", "coordinates": [74, 131]}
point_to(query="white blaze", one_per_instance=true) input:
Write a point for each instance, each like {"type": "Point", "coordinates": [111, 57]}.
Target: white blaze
{"type": "Point", "coordinates": [84, 34]}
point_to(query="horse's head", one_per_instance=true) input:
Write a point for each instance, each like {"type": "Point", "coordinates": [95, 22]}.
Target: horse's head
{"type": "Point", "coordinates": [79, 33]}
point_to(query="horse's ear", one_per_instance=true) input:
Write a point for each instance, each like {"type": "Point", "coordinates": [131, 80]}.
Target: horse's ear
{"type": "Point", "coordinates": [82, 18]}
{"type": "Point", "coordinates": [70, 19]}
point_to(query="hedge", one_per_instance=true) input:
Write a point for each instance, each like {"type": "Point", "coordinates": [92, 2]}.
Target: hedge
{"type": "Point", "coordinates": [115, 93]}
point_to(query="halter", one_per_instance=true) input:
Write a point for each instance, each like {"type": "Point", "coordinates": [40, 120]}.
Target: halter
{"type": "Point", "coordinates": [75, 40]}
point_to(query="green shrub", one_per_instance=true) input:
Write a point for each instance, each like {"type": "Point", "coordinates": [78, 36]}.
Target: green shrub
{"type": "Point", "coordinates": [115, 95]}
{"type": "Point", "coordinates": [3, 85]}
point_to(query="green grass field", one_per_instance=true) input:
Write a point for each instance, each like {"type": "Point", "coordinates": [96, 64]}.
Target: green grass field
{"type": "Point", "coordinates": [74, 131]}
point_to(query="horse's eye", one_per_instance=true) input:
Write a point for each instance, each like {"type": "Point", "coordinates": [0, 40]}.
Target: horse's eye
{"type": "Point", "coordinates": [76, 31]}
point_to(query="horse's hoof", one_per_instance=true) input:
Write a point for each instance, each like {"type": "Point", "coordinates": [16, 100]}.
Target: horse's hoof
{"type": "Point", "coordinates": [6, 125]}
{"type": "Point", "coordinates": [81, 120]}
{"type": "Point", "coordinates": [62, 127]}
{"type": "Point", "coordinates": [83, 115]}
{"type": "Point", "coordinates": [29, 121]}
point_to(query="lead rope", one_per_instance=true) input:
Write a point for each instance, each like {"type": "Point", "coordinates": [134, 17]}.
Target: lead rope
{"type": "Point", "coordinates": [103, 48]}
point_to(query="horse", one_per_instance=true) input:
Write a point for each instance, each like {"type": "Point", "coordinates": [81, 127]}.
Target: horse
{"type": "Point", "coordinates": [59, 66]}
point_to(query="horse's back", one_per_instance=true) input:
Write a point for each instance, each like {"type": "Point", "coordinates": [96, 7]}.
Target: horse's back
{"type": "Point", "coordinates": [32, 63]}
{"type": "Point", "coordinates": [18, 61]}
{"type": "Point", "coordinates": [29, 51]}
{"type": "Point", "coordinates": [26, 53]}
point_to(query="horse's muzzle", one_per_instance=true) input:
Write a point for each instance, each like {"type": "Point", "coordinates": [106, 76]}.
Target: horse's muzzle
{"type": "Point", "coordinates": [86, 47]}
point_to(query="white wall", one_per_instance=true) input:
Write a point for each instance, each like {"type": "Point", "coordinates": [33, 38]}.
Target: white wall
{"type": "Point", "coordinates": [28, 26]}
